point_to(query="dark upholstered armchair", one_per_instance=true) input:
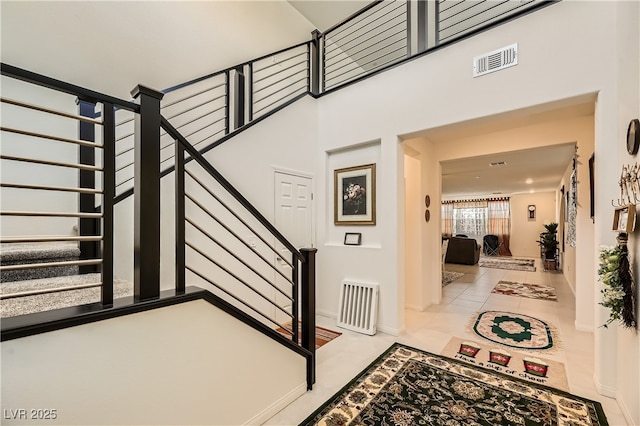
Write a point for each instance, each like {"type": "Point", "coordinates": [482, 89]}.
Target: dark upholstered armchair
{"type": "Point", "coordinates": [465, 251]}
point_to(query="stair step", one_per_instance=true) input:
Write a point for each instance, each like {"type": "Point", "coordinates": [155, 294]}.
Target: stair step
{"type": "Point", "coordinates": [60, 299]}
{"type": "Point", "coordinates": [30, 253]}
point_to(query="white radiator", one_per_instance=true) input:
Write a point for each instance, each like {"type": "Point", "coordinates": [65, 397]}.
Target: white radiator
{"type": "Point", "coordinates": [358, 307]}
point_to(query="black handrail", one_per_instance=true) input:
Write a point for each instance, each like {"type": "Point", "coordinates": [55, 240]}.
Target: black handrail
{"type": "Point", "coordinates": [195, 155]}
{"type": "Point", "coordinates": [62, 86]}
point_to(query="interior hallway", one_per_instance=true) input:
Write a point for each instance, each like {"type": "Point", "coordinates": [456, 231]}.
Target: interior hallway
{"type": "Point", "coordinates": [343, 358]}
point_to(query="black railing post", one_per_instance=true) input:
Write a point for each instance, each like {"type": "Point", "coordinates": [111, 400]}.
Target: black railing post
{"type": "Point", "coordinates": [108, 199]}
{"type": "Point", "coordinates": [180, 218]}
{"type": "Point", "coordinates": [308, 295]}
{"type": "Point", "coordinates": [314, 64]}
{"type": "Point", "coordinates": [409, 24]}
{"type": "Point", "coordinates": [87, 179]}
{"type": "Point", "coordinates": [422, 25]}
{"type": "Point", "coordinates": [295, 292]}
{"type": "Point", "coordinates": [436, 24]}
{"type": "Point", "coordinates": [238, 98]}
{"type": "Point", "coordinates": [227, 103]}
{"type": "Point", "coordinates": [146, 239]}
{"type": "Point", "coordinates": [250, 97]}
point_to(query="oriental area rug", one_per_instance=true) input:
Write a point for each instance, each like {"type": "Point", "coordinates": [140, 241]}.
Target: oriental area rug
{"type": "Point", "coordinates": [407, 386]}
{"type": "Point", "coordinates": [515, 331]}
{"type": "Point", "coordinates": [530, 291]}
{"type": "Point", "coordinates": [323, 335]}
{"type": "Point", "coordinates": [449, 277]}
{"type": "Point", "coordinates": [507, 263]}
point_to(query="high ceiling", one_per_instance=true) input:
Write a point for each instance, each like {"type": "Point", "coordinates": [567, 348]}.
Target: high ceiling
{"type": "Point", "coordinates": [324, 14]}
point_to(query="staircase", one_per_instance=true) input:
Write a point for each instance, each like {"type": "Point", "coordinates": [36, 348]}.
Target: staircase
{"type": "Point", "coordinates": [29, 290]}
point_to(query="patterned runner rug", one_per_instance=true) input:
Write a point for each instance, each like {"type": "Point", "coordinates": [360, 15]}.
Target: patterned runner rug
{"type": "Point", "coordinates": [515, 364]}
{"type": "Point", "coordinates": [515, 331]}
{"type": "Point", "coordinates": [407, 386]}
{"type": "Point", "coordinates": [323, 335]}
{"type": "Point", "coordinates": [507, 263]}
{"type": "Point", "coordinates": [531, 291]}
{"type": "Point", "coordinates": [449, 277]}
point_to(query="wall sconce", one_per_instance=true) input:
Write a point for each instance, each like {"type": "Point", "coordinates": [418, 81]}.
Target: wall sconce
{"type": "Point", "coordinates": [531, 210]}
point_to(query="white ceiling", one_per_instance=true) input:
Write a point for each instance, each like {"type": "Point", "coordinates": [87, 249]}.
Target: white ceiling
{"type": "Point", "coordinates": [476, 176]}
{"type": "Point", "coordinates": [525, 171]}
{"type": "Point", "coordinates": [324, 14]}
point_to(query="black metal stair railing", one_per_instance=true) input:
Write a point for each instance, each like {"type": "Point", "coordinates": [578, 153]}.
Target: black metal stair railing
{"type": "Point", "coordinates": [45, 163]}
{"type": "Point", "coordinates": [212, 223]}
{"type": "Point", "coordinates": [209, 109]}
{"type": "Point", "coordinates": [374, 38]}
{"type": "Point", "coordinates": [251, 281]}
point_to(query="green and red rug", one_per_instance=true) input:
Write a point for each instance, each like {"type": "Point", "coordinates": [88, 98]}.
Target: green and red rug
{"type": "Point", "coordinates": [407, 386]}
{"type": "Point", "coordinates": [530, 291]}
{"type": "Point", "coordinates": [515, 331]}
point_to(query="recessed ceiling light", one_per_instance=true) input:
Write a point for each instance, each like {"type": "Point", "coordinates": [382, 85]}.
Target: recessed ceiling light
{"type": "Point", "coordinates": [531, 191]}
{"type": "Point", "coordinates": [529, 181]}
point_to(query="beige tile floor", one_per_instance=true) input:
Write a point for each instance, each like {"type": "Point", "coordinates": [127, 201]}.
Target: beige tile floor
{"type": "Point", "coordinates": [343, 358]}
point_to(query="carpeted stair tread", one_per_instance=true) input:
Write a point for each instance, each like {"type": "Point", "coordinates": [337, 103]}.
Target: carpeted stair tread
{"type": "Point", "coordinates": [45, 252]}
{"type": "Point", "coordinates": [11, 253]}
{"type": "Point", "coordinates": [63, 299]}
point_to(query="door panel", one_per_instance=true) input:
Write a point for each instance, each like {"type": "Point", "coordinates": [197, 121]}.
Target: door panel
{"type": "Point", "coordinates": [293, 201]}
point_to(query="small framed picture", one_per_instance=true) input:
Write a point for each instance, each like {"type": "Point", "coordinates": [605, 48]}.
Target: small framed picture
{"type": "Point", "coordinates": [355, 195]}
{"type": "Point", "coordinates": [624, 218]}
{"type": "Point", "coordinates": [352, 239]}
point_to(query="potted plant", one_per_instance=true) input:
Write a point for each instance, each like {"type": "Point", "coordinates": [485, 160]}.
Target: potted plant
{"type": "Point", "coordinates": [549, 245]}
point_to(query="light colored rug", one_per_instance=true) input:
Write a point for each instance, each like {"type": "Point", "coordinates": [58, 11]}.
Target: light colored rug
{"type": "Point", "coordinates": [515, 364]}
{"type": "Point", "coordinates": [515, 331]}
{"type": "Point", "coordinates": [531, 291]}
{"type": "Point", "coordinates": [449, 277]}
{"type": "Point", "coordinates": [507, 263]}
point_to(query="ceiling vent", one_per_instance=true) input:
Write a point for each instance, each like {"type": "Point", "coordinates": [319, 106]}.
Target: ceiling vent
{"type": "Point", "coordinates": [496, 60]}
{"type": "Point", "coordinates": [498, 163]}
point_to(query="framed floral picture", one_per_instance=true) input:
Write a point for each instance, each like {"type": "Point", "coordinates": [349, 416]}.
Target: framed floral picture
{"type": "Point", "coordinates": [355, 195]}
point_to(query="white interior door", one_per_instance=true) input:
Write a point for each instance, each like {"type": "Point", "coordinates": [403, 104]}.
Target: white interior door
{"type": "Point", "coordinates": [294, 219]}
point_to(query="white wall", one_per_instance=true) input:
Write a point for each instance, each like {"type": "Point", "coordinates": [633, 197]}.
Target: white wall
{"type": "Point", "coordinates": [185, 364]}
{"type": "Point", "coordinates": [525, 232]}
{"type": "Point", "coordinates": [439, 90]}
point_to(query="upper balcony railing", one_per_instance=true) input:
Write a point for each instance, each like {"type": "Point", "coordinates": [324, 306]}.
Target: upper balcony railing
{"type": "Point", "coordinates": [211, 109]}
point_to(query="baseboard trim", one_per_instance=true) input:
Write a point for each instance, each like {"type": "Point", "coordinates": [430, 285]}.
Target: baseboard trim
{"type": "Point", "coordinates": [328, 314]}
{"type": "Point", "coordinates": [383, 329]}
{"type": "Point", "coordinates": [607, 391]}
{"type": "Point", "coordinates": [583, 327]}
{"type": "Point", "coordinates": [416, 308]}
{"type": "Point", "coordinates": [277, 406]}
{"type": "Point", "coordinates": [625, 412]}
{"type": "Point", "coordinates": [391, 331]}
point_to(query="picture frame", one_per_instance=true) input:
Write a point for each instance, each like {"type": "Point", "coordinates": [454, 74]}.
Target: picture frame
{"type": "Point", "coordinates": [624, 218]}
{"type": "Point", "coordinates": [354, 191]}
{"type": "Point", "coordinates": [352, 238]}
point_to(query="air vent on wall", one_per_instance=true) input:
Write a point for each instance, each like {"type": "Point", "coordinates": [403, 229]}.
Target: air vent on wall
{"type": "Point", "coordinates": [496, 60]}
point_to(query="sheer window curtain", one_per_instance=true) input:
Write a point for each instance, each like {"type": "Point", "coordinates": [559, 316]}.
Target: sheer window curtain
{"type": "Point", "coordinates": [470, 218]}
{"type": "Point", "coordinates": [499, 213]}
{"type": "Point", "coordinates": [447, 219]}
